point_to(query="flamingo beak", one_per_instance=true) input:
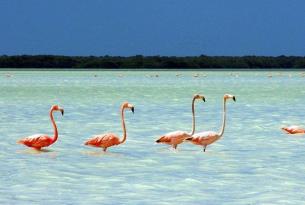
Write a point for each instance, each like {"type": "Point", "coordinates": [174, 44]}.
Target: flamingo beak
{"type": "Point", "coordinates": [234, 99]}
{"type": "Point", "coordinates": [62, 111]}
{"type": "Point", "coordinates": [132, 109]}
{"type": "Point", "coordinates": [203, 98]}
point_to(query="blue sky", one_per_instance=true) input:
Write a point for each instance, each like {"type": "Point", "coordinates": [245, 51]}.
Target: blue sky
{"type": "Point", "coordinates": [155, 27]}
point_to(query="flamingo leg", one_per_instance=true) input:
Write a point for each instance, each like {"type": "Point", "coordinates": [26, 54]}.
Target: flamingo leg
{"type": "Point", "coordinates": [175, 146]}
{"type": "Point", "coordinates": [104, 149]}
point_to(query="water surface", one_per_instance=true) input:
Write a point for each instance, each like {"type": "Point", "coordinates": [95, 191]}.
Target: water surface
{"type": "Point", "coordinates": [254, 163]}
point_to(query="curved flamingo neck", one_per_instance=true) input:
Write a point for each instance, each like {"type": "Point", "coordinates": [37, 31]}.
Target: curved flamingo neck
{"type": "Point", "coordinates": [123, 126]}
{"type": "Point", "coordinates": [54, 126]}
{"type": "Point", "coordinates": [223, 119]}
{"type": "Point", "coordinates": [193, 113]}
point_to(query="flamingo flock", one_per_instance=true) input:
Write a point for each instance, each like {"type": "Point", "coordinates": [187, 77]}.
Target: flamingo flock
{"type": "Point", "coordinates": [106, 140]}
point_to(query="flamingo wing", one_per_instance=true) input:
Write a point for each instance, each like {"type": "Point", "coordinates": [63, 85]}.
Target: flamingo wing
{"type": "Point", "coordinates": [36, 141]}
{"type": "Point", "coordinates": [175, 137]}
{"type": "Point", "coordinates": [164, 139]}
{"type": "Point", "coordinates": [205, 138]}
{"type": "Point", "coordinates": [104, 140]}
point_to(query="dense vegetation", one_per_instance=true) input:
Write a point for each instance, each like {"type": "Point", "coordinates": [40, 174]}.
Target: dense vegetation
{"type": "Point", "coordinates": [50, 61]}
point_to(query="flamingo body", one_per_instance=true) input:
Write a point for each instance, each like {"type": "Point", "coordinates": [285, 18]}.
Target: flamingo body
{"type": "Point", "coordinates": [294, 130]}
{"type": "Point", "coordinates": [204, 138]}
{"type": "Point", "coordinates": [37, 141]}
{"type": "Point", "coordinates": [104, 141]}
{"type": "Point", "coordinates": [173, 138]}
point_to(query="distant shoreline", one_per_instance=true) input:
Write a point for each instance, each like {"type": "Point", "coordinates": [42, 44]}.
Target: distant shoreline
{"type": "Point", "coordinates": [158, 69]}
{"type": "Point", "coordinates": [139, 62]}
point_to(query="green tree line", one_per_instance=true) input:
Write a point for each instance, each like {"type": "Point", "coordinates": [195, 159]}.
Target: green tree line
{"type": "Point", "coordinates": [139, 61]}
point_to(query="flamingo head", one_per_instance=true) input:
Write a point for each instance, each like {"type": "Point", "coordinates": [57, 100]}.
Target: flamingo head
{"type": "Point", "coordinates": [228, 96]}
{"type": "Point", "coordinates": [199, 97]}
{"type": "Point", "coordinates": [129, 106]}
{"type": "Point", "coordinates": [57, 108]}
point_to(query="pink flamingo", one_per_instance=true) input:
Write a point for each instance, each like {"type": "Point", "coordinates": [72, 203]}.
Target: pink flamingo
{"type": "Point", "coordinates": [41, 140]}
{"type": "Point", "coordinates": [177, 137]}
{"type": "Point", "coordinates": [294, 130]}
{"type": "Point", "coordinates": [107, 140]}
{"type": "Point", "coordinates": [206, 138]}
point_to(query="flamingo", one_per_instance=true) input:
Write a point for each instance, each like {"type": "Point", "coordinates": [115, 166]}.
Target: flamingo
{"type": "Point", "coordinates": [293, 130]}
{"type": "Point", "coordinates": [41, 140]}
{"type": "Point", "coordinates": [109, 139]}
{"type": "Point", "coordinates": [206, 138]}
{"type": "Point", "coordinates": [177, 137]}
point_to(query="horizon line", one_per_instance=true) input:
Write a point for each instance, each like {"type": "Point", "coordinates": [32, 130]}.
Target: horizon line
{"type": "Point", "coordinates": [141, 55]}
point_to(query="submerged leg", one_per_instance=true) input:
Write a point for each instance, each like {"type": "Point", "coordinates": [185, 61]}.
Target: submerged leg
{"type": "Point", "coordinates": [204, 147]}
{"type": "Point", "coordinates": [175, 146]}
{"type": "Point", "coordinates": [104, 149]}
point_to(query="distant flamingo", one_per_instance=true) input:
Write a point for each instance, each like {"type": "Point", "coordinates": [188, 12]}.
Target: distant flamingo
{"type": "Point", "coordinates": [107, 140]}
{"type": "Point", "coordinates": [41, 140]}
{"type": "Point", "coordinates": [206, 138]}
{"type": "Point", "coordinates": [294, 130]}
{"type": "Point", "coordinates": [177, 137]}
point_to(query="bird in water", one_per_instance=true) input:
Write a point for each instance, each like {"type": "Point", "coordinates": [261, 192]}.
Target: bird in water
{"type": "Point", "coordinates": [208, 137]}
{"type": "Point", "coordinates": [109, 139]}
{"type": "Point", "coordinates": [39, 141]}
{"type": "Point", "coordinates": [177, 137]}
{"type": "Point", "coordinates": [294, 130]}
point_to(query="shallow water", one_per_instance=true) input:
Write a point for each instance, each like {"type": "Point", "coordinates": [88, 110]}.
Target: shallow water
{"type": "Point", "coordinates": [254, 163]}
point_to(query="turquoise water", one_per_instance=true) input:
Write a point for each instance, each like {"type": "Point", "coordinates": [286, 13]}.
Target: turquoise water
{"type": "Point", "coordinates": [254, 163]}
